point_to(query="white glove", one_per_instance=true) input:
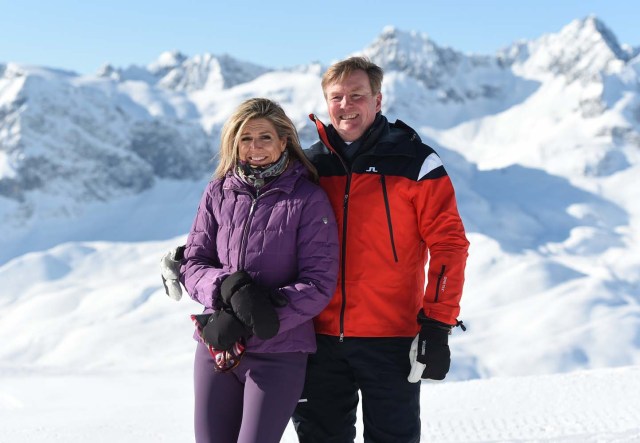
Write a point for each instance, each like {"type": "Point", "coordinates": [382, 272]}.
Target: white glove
{"type": "Point", "coordinates": [417, 368]}
{"type": "Point", "coordinates": [170, 270]}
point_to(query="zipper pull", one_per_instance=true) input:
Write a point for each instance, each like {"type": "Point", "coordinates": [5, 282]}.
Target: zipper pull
{"type": "Point", "coordinates": [341, 339]}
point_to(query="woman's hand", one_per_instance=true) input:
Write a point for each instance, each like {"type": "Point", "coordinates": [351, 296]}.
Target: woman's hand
{"type": "Point", "coordinates": [223, 330]}
{"type": "Point", "coordinates": [251, 303]}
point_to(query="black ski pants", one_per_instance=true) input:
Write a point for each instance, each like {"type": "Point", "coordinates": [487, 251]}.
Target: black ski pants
{"type": "Point", "coordinates": [378, 368]}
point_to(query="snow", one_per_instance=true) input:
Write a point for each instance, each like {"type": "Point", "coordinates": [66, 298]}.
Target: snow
{"type": "Point", "coordinates": [581, 407]}
{"type": "Point", "coordinates": [541, 142]}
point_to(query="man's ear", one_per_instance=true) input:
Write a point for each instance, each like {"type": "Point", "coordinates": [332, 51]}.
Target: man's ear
{"type": "Point", "coordinates": [378, 101]}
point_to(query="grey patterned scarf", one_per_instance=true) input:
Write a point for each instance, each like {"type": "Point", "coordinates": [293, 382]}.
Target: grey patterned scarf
{"type": "Point", "coordinates": [258, 176]}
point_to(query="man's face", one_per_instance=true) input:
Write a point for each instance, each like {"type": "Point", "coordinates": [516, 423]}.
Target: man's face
{"type": "Point", "coordinates": [352, 105]}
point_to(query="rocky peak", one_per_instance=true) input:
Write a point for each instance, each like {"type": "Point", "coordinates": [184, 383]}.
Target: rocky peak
{"type": "Point", "coordinates": [413, 53]}
{"type": "Point", "coordinates": [174, 70]}
{"type": "Point", "coordinates": [584, 49]}
{"type": "Point", "coordinates": [166, 61]}
{"type": "Point", "coordinates": [208, 71]}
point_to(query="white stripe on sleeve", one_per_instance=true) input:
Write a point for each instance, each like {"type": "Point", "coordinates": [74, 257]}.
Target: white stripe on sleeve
{"type": "Point", "coordinates": [430, 163]}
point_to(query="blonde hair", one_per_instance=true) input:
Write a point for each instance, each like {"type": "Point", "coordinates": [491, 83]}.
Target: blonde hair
{"type": "Point", "coordinates": [343, 69]}
{"type": "Point", "coordinates": [252, 109]}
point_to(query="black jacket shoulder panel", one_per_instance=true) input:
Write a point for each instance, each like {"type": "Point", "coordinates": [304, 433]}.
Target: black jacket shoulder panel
{"type": "Point", "coordinates": [401, 152]}
{"type": "Point", "coordinates": [326, 162]}
{"type": "Point", "coordinates": [398, 151]}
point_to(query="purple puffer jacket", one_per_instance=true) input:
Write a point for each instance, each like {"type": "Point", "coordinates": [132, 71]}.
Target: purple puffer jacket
{"type": "Point", "coordinates": [286, 238]}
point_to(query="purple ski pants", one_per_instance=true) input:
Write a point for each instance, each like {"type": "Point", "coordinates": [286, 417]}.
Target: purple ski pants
{"type": "Point", "coordinates": [250, 404]}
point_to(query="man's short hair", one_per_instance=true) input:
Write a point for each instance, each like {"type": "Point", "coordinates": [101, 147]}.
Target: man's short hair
{"type": "Point", "coordinates": [343, 69]}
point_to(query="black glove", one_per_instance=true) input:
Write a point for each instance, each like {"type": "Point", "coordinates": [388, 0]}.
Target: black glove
{"type": "Point", "coordinates": [240, 278]}
{"type": "Point", "coordinates": [251, 303]}
{"type": "Point", "coordinates": [277, 299]}
{"type": "Point", "coordinates": [223, 329]}
{"type": "Point", "coordinates": [430, 355]}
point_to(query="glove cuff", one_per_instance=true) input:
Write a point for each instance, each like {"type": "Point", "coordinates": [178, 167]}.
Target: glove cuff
{"type": "Point", "coordinates": [424, 320]}
{"type": "Point", "coordinates": [433, 330]}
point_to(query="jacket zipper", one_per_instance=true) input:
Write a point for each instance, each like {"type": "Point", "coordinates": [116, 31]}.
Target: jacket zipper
{"type": "Point", "coordinates": [345, 208]}
{"type": "Point", "coordinates": [440, 276]}
{"type": "Point", "coordinates": [388, 209]}
{"type": "Point", "coordinates": [245, 235]}
{"type": "Point", "coordinates": [245, 230]}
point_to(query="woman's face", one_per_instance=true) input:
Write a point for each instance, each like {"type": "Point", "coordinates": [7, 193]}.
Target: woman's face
{"type": "Point", "coordinates": [259, 143]}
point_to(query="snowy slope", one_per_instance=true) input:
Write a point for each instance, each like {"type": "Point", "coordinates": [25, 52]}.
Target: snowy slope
{"type": "Point", "coordinates": [582, 407]}
{"type": "Point", "coordinates": [94, 349]}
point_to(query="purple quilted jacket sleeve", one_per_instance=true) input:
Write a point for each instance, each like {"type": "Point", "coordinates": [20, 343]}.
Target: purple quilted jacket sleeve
{"type": "Point", "coordinates": [202, 272]}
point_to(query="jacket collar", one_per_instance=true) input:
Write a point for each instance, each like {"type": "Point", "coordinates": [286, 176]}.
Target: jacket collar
{"type": "Point", "coordinates": [286, 182]}
{"type": "Point", "coordinates": [378, 128]}
{"type": "Point", "coordinates": [381, 139]}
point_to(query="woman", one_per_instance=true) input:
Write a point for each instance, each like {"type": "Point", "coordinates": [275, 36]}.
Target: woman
{"type": "Point", "coordinates": [262, 257]}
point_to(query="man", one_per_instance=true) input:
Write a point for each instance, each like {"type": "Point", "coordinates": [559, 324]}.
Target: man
{"type": "Point", "coordinates": [395, 207]}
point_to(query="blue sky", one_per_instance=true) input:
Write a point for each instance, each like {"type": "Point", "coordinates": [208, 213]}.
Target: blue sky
{"type": "Point", "coordinates": [83, 35]}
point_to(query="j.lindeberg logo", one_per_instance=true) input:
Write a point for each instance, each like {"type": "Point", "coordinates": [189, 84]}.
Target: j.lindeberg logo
{"type": "Point", "coordinates": [371, 169]}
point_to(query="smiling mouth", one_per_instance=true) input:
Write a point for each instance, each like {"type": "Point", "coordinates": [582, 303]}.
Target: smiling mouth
{"type": "Point", "coordinates": [256, 159]}
{"type": "Point", "coordinates": [348, 116]}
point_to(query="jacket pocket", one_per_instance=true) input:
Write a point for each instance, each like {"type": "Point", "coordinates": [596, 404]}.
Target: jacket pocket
{"type": "Point", "coordinates": [387, 208]}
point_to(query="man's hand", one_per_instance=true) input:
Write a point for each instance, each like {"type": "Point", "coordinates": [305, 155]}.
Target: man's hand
{"type": "Point", "coordinates": [429, 354]}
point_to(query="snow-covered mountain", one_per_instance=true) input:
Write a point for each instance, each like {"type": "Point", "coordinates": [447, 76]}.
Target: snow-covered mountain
{"type": "Point", "coordinates": [100, 174]}
{"type": "Point", "coordinates": [175, 71]}
{"type": "Point", "coordinates": [79, 140]}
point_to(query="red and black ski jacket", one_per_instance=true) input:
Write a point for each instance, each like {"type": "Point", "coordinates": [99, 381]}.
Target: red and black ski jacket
{"type": "Point", "coordinates": [396, 212]}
